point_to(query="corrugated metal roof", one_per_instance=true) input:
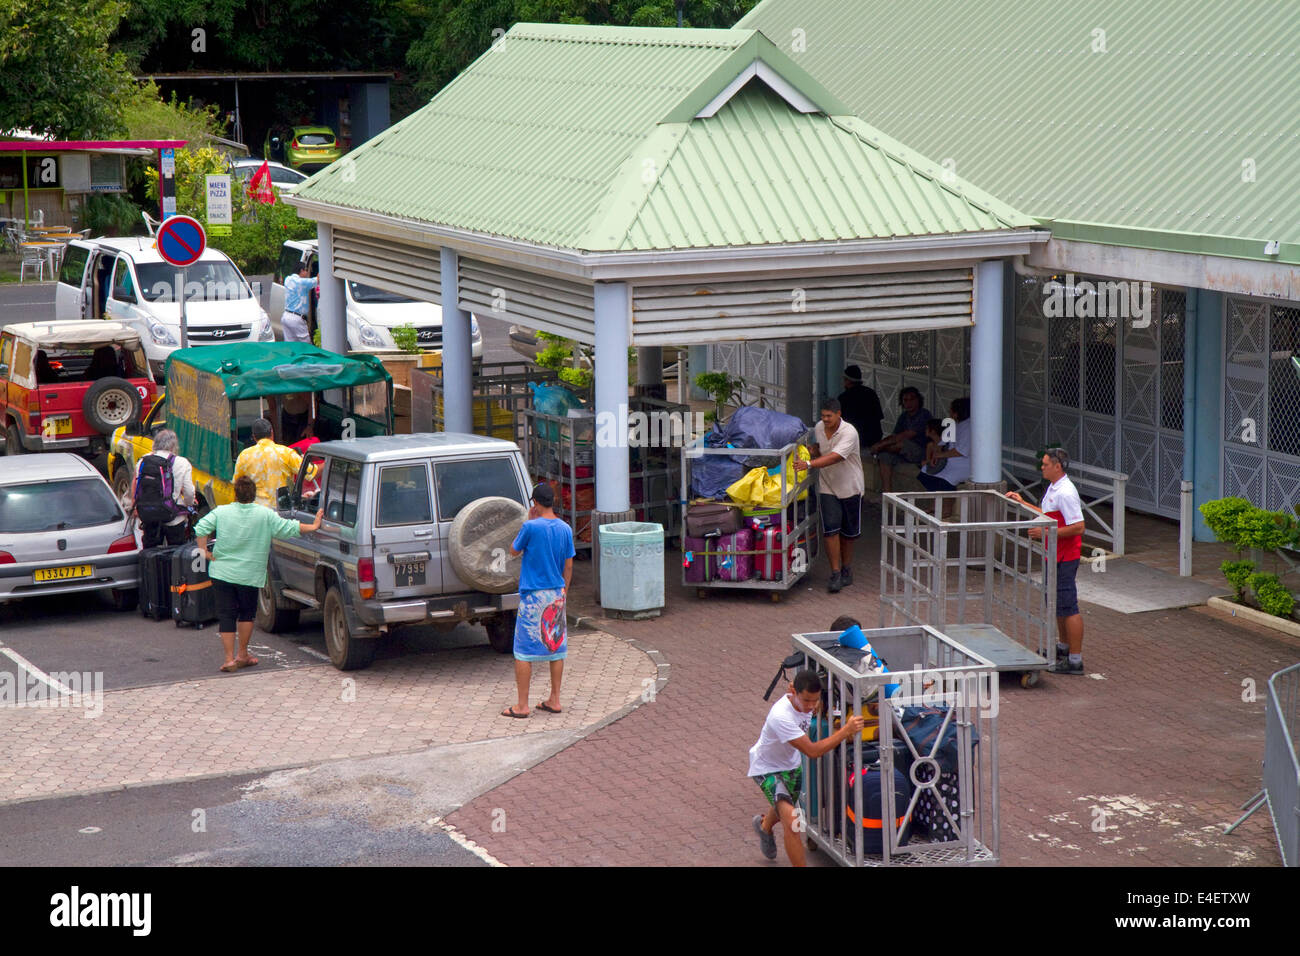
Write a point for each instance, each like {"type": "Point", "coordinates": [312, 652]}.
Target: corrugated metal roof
{"type": "Point", "coordinates": [586, 138]}
{"type": "Point", "coordinates": [1174, 116]}
{"type": "Point", "coordinates": [759, 172]}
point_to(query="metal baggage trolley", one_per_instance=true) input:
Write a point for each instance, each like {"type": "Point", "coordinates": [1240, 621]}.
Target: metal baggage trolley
{"type": "Point", "coordinates": [954, 688]}
{"type": "Point", "coordinates": [965, 563]}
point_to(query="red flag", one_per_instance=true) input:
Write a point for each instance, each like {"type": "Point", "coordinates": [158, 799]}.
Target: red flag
{"type": "Point", "coordinates": [259, 187]}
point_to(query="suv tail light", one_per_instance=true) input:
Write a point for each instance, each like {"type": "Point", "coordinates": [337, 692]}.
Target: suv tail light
{"type": "Point", "coordinates": [366, 577]}
{"type": "Point", "coordinates": [7, 558]}
{"type": "Point", "coordinates": [124, 543]}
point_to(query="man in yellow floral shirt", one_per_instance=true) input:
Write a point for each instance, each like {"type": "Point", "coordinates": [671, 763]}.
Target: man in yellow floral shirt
{"type": "Point", "coordinates": [271, 466]}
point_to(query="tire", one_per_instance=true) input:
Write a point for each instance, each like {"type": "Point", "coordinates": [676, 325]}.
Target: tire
{"type": "Point", "coordinates": [346, 652]}
{"type": "Point", "coordinates": [501, 632]}
{"type": "Point", "coordinates": [270, 618]}
{"type": "Point", "coordinates": [121, 481]}
{"type": "Point", "coordinates": [13, 441]}
{"type": "Point", "coordinates": [478, 544]}
{"type": "Point", "coordinates": [125, 600]}
{"type": "Point", "coordinates": [111, 403]}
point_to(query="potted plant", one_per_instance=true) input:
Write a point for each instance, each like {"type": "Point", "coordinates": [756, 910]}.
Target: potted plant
{"type": "Point", "coordinates": [1269, 536]}
{"type": "Point", "coordinates": [723, 389]}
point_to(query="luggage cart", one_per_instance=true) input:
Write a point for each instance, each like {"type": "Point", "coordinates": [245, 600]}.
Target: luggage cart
{"type": "Point", "coordinates": [964, 563]}
{"type": "Point", "coordinates": [951, 781]}
{"type": "Point", "coordinates": [797, 514]}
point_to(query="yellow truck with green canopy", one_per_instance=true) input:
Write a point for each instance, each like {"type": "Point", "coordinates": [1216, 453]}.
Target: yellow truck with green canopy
{"type": "Point", "coordinates": [215, 393]}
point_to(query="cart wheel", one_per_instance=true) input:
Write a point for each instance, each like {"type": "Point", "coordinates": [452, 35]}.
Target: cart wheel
{"type": "Point", "coordinates": [701, 592]}
{"type": "Point", "coordinates": [1028, 679]}
{"type": "Point", "coordinates": [776, 597]}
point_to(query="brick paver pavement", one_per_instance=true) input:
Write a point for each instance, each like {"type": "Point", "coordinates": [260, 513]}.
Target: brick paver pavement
{"type": "Point", "coordinates": [1157, 738]}
{"type": "Point", "coordinates": [253, 721]}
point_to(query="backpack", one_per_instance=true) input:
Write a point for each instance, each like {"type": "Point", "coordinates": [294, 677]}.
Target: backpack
{"type": "Point", "coordinates": [155, 493]}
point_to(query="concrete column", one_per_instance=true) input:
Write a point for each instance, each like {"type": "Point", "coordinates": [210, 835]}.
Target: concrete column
{"type": "Point", "coordinates": [986, 374]}
{"type": "Point", "coordinates": [613, 321]}
{"type": "Point", "coordinates": [799, 382]}
{"type": "Point", "coordinates": [331, 317]}
{"type": "Point", "coordinates": [457, 357]}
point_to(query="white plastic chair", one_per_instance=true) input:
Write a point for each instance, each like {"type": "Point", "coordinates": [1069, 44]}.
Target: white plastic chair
{"type": "Point", "coordinates": [32, 257]}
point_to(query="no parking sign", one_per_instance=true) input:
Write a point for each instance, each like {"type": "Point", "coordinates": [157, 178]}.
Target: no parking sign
{"type": "Point", "coordinates": [181, 241]}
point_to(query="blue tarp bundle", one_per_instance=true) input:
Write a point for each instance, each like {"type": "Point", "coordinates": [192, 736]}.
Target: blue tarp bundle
{"type": "Point", "coordinates": [749, 427]}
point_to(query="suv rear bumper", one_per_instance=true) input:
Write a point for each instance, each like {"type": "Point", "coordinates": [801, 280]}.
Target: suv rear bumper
{"type": "Point", "coordinates": [450, 607]}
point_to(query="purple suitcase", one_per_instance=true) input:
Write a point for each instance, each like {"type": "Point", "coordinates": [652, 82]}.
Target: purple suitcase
{"type": "Point", "coordinates": [720, 557]}
{"type": "Point", "coordinates": [693, 559]}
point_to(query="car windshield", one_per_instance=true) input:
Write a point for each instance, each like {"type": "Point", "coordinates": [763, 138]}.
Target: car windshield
{"type": "Point", "coordinates": [315, 139]}
{"type": "Point", "coordinates": [60, 505]}
{"type": "Point", "coordinates": [367, 294]}
{"type": "Point", "coordinates": [213, 281]}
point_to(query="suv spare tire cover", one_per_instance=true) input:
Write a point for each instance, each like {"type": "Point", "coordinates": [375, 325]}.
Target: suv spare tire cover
{"type": "Point", "coordinates": [476, 534]}
{"type": "Point", "coordinates": [111, 403]}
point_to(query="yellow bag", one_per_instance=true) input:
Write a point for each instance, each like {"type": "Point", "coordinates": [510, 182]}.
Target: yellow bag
{"type": "Point", "coordinates": [759, 488]}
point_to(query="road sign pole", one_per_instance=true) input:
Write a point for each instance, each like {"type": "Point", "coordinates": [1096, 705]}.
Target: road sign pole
{"type": "Point", "coordinates": [180, 295]}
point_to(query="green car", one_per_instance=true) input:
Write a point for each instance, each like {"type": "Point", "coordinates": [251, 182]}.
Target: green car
{"type": "Point", "coordinates": [306, 148]}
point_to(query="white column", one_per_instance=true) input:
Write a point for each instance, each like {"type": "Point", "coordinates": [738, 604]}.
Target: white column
{"type": "Point", "coordinates": [986, 374]}
{"type": "Point", "coordinates": [613, 325]}
{"type": "Point", "coordinates": [331, 317]}
{"type": "Point", "coordinates": [457, 354]}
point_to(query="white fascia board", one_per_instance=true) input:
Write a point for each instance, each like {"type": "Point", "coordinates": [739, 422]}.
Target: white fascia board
{"type": "Point", "coordinates": [687, 264]}
{"type": "Point", "coordinates": [775, 82]}
{"type": "Point", "coordinates": [1179, 269]}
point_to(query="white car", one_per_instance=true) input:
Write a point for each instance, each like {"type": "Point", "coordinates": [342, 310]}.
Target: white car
{"type": "Point", "coordinates": [372, 313]}
{"type": "Point", "coordinates": [126, 280]}
{"type": "Point", "coordinates": [282, 176]}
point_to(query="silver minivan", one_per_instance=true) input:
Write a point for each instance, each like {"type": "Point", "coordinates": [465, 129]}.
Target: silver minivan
{"type": "Point", "coordinates": [380, 558]}
{"type": "Point", "coordinates": [63, 531]}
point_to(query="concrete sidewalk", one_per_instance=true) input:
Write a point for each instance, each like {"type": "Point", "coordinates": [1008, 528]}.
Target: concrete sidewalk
{"type": "Point", "coordinates": [251, 721]}
{"type": "Point", "coordinates": [1142, 762]}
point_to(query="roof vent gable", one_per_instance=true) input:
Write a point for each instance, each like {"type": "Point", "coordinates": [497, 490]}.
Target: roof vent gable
{"type": "Point", "coordinates": [757, 69]}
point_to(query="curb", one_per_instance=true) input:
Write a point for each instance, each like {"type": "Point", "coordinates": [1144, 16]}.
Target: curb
{"type": "Point", "coordinates": [1290, 628]}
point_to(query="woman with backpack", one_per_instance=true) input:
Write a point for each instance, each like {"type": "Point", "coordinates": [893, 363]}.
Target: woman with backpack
{"type": "Point", "coordinates": [163, 493]}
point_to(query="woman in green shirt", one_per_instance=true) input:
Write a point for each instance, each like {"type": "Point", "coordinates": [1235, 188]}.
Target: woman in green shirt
{"type": "Point", "coordinates": [237, 562]}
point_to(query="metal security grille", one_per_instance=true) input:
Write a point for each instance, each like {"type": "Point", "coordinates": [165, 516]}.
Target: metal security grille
{"type": "Point", "coordinates": [935, 363]}
{"type": "Point", "coordinates": [399, 267]}
{"type": "Point", "coordinates": [1261, 403]}
{"type": "Point", "coordinates": [760, 364]}
{"type": "Point", "coordinates": [1104, 379]}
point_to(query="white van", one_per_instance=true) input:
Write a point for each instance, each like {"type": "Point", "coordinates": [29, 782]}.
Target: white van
{"type": "Point", "coordinates": [128, 281]}
{"type": "Point", "coordinates": [372, 313]}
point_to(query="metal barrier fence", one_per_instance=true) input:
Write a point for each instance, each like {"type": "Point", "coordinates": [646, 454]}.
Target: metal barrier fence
{"type": "Point", "coordinates": [1096, 486]}
{"type": "Point", "coordinates": [952, 782]}
{"type": "Point", "coordinates": [1281, 764]}
{"type": "Point", "coordinates": [967, 564]}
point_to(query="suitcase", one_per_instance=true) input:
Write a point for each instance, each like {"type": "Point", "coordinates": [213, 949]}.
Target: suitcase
{"type": "Point", "coordinates": [719, 557]}
{"type": "Point", "coordinates": [193, 603]}
{"type": "Point", "coordinates": [707, 518]}
{"type": "Point", "coordinates": [929, 818]}
{"type": "Point", "coordinates": [872, 826]}
{"type": "Point", "coordinates": [694, 560]}
{"type": "Point", "coordinates": [156, 583]}
{"type": "Point", "coordinates": [769, 563]}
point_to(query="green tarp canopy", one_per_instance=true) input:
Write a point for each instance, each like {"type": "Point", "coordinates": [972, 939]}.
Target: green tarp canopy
{"type": "Point", "coordinates": [253, 369]}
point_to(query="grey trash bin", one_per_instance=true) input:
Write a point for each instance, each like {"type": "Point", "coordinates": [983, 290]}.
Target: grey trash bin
{"type": "Point", "coordinates": [632, 568]}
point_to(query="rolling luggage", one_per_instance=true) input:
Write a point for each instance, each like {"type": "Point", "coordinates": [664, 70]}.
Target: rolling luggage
{"type": "Point", "coordinates": [707, 518]}
{"type": "Point", "coordinates": [769, 563]}
{"type": "Point", "coordinates": [156, 583]}
{"type": "Point", "coordinates": [872, 825]}
{"type": "Point", "coordinates": [727, 557]}
{"type": "Point", "coordinates": [193, 603]}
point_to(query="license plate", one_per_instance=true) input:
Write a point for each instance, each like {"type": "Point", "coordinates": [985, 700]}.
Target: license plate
{"type": "Point", "coordinates": [408, 574]}
{"type": "Point", "coordinates": [43, 575]}
{"type": "Point", "coordinates": [61, 425]}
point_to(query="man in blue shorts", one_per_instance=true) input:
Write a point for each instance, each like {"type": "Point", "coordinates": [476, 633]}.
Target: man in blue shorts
{"type": "Point", "coordinates": [546, 542]}
{"type": "Point", "coordinates": [839, 485]}
{"type": "Point", "coordinates": [777, 768]}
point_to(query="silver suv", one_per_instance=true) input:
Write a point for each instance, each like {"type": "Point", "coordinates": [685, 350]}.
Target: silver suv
{"type": "Point", "coordinates": [380, 557]}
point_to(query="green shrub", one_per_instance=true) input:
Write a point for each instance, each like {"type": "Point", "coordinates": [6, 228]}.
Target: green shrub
{"type": "Point", "coordinates": [1237, 522]}
{"type": "Point", "coordinates": [406, 338]}
{"type": "Point", "coordinates": [1272, 595]}
{"type": "Point", "coordinates": [1238, 574]}
{"type": "Point", "coordinates": [111, 214]}
{"type": "Point", "coordinates": [722, 388]}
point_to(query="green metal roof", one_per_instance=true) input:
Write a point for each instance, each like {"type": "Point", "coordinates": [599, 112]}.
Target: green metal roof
{"type": "Point", "coordinates": [1181, 135]}
{"type": "Point", "coordinates": [588, 138]}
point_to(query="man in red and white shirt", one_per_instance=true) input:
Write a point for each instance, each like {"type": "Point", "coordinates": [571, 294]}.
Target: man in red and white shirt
{"type": "Point", "coordinates": [1061, 501]}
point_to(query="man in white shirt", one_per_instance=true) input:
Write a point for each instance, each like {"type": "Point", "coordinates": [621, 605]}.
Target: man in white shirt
{"type": "Point", "coordinates": [1061, 501]}
{"type": "Point", "coordinates": [776, 766]}
{"type": "Point", "coordinates": [839, 486]}
{"type": "Point", "coordinates": [297, 305]}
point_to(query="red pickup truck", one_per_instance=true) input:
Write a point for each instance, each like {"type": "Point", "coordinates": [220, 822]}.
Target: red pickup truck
{"type": "Point", "coordinates": [67, 385]}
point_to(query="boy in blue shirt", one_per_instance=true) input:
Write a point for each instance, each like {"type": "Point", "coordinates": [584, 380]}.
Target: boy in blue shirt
{"type": "Point", "coordinates": [546, 543]}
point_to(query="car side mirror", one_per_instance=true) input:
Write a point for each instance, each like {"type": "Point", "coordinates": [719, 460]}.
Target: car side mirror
{"type": "Point", "coordinates": [283, 500]}
{"type": "Point", "coordinates": [133, 428]}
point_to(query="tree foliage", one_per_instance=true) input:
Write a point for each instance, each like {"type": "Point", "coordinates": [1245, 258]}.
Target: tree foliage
{"type": "Point", "coordinates": [57, 73]}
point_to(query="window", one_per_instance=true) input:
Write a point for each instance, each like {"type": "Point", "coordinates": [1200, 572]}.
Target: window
{"type": "Point", "coordinates": [365, 293]}
{"type": "Point", "coordinates": [74, 265]}
{"type": "Point", "coordinates": [123, 288]}
{"type": "Point", "coordinates": [308, 489]}
{"type": "Point", "coordinates": [404, 495]}
{"type": "Point", "coordinates": [460, 482]}
{"type": "Point", "coordinates": [289, 259]}
{"type": "Point", "coordinates": [208, 281]}
{"type": "Point", "coordinates": [6, 346]}
{"type": "Point", "coordinates": [315, 139]}
{"type": "Point", "coordinates": [57, 506]}
{"type": "Point", "coordinates": [341, 492]}
{"type": "Point", "coordinates": [286, 176]}
{"type": "Point", "coordinates": [22, 361]}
